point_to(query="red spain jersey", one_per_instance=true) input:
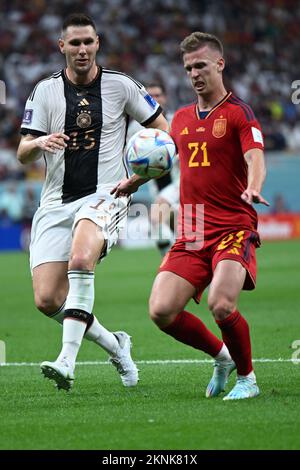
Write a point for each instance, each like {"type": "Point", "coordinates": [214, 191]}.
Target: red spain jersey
{"type": "Point", "coordinates": [213, 170]}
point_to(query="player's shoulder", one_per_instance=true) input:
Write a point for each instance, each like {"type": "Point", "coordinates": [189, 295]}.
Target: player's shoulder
{"type": "Point", "coordinates": [43, 85]}
{"type": "Point", "coordinates": [184, 110]}
{"type": "Point", "coordinates": [240, 108]}
{"type": "Point", "coordinates": [114, 76]}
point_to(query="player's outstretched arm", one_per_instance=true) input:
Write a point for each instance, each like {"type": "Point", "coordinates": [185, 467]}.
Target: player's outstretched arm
{"type": "Point", "coordinates": [31, 148]}
{"type": "Point", "coordinates": [128, 186]}
{"type": "Point", "coordinates": [160, 123]}
{"type": "Point", "coordinates": [256, 176]}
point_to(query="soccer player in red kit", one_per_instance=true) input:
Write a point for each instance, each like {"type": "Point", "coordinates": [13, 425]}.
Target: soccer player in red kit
{"type": "Point", "coordinates": [222, 170]}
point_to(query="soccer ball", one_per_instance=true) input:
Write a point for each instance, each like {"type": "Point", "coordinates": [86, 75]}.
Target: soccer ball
{"type": "Point", "coordinates": [150, 153]}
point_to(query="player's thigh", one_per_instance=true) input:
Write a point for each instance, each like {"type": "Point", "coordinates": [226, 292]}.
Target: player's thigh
{"type": "Point", "coordinates": [227, 282]}
{"type": "Point", "coordinates": [87, 245]}
{"type": "Point", "coordinates": [50, 285]}
{"type": "Point", "coordinates": [170, 294]}
{"type": "Point", "coordinates": [97, 226]}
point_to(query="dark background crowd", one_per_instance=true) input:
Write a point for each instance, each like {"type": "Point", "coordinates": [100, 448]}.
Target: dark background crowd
{"type": "Point", "coordinates": [141, 38]}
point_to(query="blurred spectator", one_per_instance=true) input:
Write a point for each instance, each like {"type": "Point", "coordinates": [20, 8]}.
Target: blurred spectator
{"type": "Point", "coordinates": [279, 205]}
{"type": "Point", "coordinates": [11, 203]}
{"type": "Point", "coordinates": [29, 205]}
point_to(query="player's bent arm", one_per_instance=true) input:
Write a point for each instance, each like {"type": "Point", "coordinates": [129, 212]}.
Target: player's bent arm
{"type": "Point", "coordinates": [256, 175]}
{"type": "Point", "coordinates": [31, 147]}
{"type": "Point", "coordinates": [159, 123]}
{"type": "Point", "coordinates": [128, 186]}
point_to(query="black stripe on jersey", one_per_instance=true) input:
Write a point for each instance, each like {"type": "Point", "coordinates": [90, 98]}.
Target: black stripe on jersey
{"type": "Point", "coordinates": [33, 132]}
{"type": "Point", "coordinates": [54, 75]}
{"type": "Point", "coordinates": [124, 147]}
{"type": "Point", "coordinates": [83, 124]}
{"type": "Point", "coordinates": [153, 117]}
{"type": "Point", "coordinates": [138, 84]}
{"type": "Point", "coordinates": [250, 116]}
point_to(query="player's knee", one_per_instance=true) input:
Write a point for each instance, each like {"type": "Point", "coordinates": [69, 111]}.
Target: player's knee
{"type": "Point", "coordinates": [47, 304]}
{"type": "Point", "coordinates": [80, 262]}
{"type": "Point", "coordinates": [220, 308]}
{"type": "Point", "coordinates": [160, 312]}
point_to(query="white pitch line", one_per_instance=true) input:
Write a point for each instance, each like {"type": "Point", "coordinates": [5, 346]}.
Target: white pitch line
{"type": "Point", "coordinates": [154, 362]}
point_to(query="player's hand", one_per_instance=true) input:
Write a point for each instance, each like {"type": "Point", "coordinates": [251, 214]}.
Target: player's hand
{"type": "Point", "coordinates": [52, 142]}
{"type": "Point", "coordinates": [251, 196]}
{"type": "Point", "coordinates": [125, 187]}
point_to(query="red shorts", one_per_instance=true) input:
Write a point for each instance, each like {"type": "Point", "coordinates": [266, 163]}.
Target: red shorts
{"type": "Point", "coordinates": [197, 266]}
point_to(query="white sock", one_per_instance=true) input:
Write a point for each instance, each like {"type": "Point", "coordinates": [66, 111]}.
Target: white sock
{"type": "Point", "coordinates": [102, 337]}
{"type": "Point", "coordinates": [80, 297]}
{"type": "Point", "coordinates": [223, 355]}
{"type": "Point", "coordinates": [72, 337]}
{"type": "Point", "coordinates": [96, 332]}
{"type": "Point", "coordinates": [59, 314]}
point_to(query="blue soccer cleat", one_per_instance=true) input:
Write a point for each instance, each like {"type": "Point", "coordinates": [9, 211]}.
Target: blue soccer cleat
{"type": "Point", "coordinates": [245, 387]}
{"type": "Point", "coordinates": [222, 370]}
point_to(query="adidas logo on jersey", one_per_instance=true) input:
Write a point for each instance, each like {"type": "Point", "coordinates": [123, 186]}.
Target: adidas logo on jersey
{"type": "Point", "coordinates": [83, 102]}
{"type": "Point", "coordinates": [184, 131]}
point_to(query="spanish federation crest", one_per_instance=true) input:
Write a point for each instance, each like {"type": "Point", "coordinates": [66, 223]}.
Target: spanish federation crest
{"type": "Point", "coordinates": [219, 128]}
{"type": "Point", "coordinates": [84, 120]}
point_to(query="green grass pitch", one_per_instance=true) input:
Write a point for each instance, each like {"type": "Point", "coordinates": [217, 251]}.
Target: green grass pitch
{"type": "Point", "coordinates": [167, 410]}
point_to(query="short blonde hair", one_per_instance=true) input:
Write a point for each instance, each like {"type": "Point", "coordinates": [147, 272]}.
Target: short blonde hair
{"type": "Point", "coordinates": [198, 39]}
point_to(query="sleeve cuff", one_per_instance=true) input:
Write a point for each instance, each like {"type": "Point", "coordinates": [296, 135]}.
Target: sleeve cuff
{"type": "Point", "coordinates": [153, 117]}
{"type": "Point", "coordinates": [34, 132]}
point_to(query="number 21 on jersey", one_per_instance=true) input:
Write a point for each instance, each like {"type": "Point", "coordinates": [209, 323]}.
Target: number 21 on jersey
{"type": "Point", "coordinates": [199, 155]}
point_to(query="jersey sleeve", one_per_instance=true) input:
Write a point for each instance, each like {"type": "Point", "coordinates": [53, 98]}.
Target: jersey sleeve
{"type": "Point", "coordinates": [139, 104]}
{"type": "Point", "coordinates": [35, 119]}
{"type": "Point", "coordinates": [249, 129]}
{"type": "Point", "coordinates": [173, 128]}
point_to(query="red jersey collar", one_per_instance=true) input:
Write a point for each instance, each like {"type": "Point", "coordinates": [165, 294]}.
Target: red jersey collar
{"type": "Point", "coordinates": [214, 108]}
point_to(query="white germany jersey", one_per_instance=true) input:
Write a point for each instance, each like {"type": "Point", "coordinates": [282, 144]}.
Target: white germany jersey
{"type": "Point", "coordinates": [95, 117]}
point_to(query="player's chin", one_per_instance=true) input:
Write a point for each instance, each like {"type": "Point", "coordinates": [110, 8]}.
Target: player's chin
{"type": "Point", "coordinates": [82, 68]}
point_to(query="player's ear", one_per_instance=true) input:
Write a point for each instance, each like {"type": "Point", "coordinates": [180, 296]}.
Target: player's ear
{"type": "Point", "coordinates": [220, 64]}
{"type": "Point", "coordinates": [98, 42]}
{"type": "Point", "coordinates": [61, 44]}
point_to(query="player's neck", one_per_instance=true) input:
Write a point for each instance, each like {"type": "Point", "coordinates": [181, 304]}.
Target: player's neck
{"type": "Point", "coordinates": [82, 79]}
{"type": "Point", "coordinates": [207, 102]}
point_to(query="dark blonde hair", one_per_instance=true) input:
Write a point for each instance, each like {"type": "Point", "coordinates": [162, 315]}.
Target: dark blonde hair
{"type": "Point", "coordinates": [198, 39]}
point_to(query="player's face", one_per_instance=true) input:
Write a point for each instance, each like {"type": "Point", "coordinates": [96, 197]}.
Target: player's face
{"type": "Point", "coordinates": [157, 93]}
{"type": "Point", "coordinates": [80, 45]}
{"type": "Point", "coordinates": [204, 68]}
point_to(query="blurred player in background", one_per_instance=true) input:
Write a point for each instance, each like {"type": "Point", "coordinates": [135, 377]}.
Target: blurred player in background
{"type": "Point", "coordinates": [77, 120]}
{"type": "Point", "coordinates": [222, 170]}
{"type": "Point", "coordinates": [165, 206]}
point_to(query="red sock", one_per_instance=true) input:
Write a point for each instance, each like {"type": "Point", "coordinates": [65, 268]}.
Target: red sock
{"type": "Point", "coordinates": [189, 329]}
{"type": "Point", "coordinates": [236, 336]}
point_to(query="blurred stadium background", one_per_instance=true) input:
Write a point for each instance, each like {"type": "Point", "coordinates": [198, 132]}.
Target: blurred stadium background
{"type": "Point", "coordinates": [141, 38]}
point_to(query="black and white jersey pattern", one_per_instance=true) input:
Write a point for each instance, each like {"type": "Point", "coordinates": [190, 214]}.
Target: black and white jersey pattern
{"type": "Point", "coordinates": [95, 117]}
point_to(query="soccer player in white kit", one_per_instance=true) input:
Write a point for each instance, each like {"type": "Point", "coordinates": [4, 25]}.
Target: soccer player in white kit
{"type": "Point", "coordinates": [77, 121]}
